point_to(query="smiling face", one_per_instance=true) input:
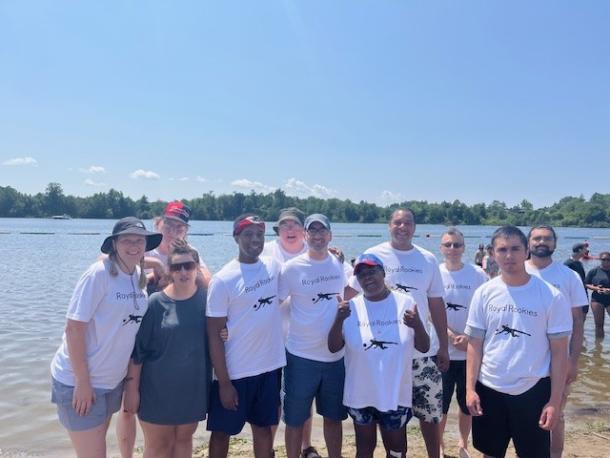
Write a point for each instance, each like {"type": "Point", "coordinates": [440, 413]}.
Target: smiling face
{"type": "Point", "coordinates": [372, 281]}
{"type": "Point", "coordinates": [292, 235]}
{"type": "Point", "coordinates": [402, 229]}
{"type": "Point", "coordinates": [130, 249]}
{"type": "Point", "coordinates": [318, 237]}
{"type": "Point", "coordinates": [251, 241]}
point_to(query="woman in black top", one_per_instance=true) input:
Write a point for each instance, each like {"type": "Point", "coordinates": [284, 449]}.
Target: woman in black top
{"type": "Point", "coordinates": [598, 281]}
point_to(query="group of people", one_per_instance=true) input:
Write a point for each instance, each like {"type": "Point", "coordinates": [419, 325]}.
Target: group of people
{"type": "Point", "coordinates": [288, 322]}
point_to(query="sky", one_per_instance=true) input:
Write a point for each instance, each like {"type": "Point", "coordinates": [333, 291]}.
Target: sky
{"type": "Point", "coordinates": [382, 101]}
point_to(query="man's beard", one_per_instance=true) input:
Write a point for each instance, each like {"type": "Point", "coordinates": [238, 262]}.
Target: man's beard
{"type": "Point", "coordinates": [542, 252]}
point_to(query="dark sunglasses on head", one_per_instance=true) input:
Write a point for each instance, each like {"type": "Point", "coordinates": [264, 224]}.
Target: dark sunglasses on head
{"type": "Point", "coordinates": [452, 244]}
{"type": "Point", "coordinates": [189, 265]}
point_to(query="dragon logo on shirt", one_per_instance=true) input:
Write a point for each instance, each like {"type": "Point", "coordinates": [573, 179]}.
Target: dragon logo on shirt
{"type": "Point", "coordinates": [403, 288]}
{"type": "Point", "coordinates": [455, 307]}
{"type": "Point", "coordinates": [324, 297]}
{"type": "Point", "coordinates": [381, 344]}
{"type": "Point", "coordinates": [262, 302]}
{"type": "Point", "coordinates": [136, 319]}
{"type": "Point", "coordinates": [510, 331]}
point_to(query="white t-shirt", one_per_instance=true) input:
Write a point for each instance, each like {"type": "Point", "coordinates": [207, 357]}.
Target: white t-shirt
{"type": "Point", "coordinates": [517, 321]}
{"type": "Point", "coordinates": [378, 353]}
{"type": "Point", "coordinates": [247, 295]}
{"type": "Point", "coordinates": [413, 272]}
{"type": "Point", "coordinates": [113, 308]}
{"type": "Point", "coordinates": [459, 288]}
{"type": "Point", "coordinates": [564, 279]}
{"type": "Point", "coordinates": [313, 287]}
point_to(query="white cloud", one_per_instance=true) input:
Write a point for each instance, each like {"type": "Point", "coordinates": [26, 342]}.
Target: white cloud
{"type": "Point", "coordinates": [145, 174]}
{"type": "Point", "coordinates": [200, 179]}
{"type": "Point", "coordinates": [94, 169]}
{"type": "Point", "coordinates": [302, 189]}
{"type": "Point", "coordinates": [180, 179]}
{"type": "Point", "coordinates": [21, 161]}
{"type": "Point", "coordinates": [90, 182]}
{"type": "Point", "coordinates": [244, 183]}
{"type": "Point", "coordinates": [389, 197]}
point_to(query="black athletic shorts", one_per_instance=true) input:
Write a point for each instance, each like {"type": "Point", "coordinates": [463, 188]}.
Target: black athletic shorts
{"type": "Point", "coordinates": [515, 417]}
{"type": "Point", "coordinates": [455, 377]}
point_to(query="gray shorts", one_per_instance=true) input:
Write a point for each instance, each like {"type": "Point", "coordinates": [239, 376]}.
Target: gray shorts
{"type": "Point", "coordinates": [106, 403]}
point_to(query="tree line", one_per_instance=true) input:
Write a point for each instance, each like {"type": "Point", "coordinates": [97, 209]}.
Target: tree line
{"type": "Point", "coordinates": [569, 211]}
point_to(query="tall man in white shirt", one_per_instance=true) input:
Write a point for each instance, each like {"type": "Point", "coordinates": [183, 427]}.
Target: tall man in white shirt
{"type": "Point", "coordinates": [413, 270]}
{"type": "Point", "coordinates": [313, 281]}
{"type": "Point", "coordinates": [460, 281]}
{"type": "Point", "coordinates": [542, 243]}
{"type": "Point", "coordinates": [243, 297]}
{"type": "Point", "coordinates": [518, 327]}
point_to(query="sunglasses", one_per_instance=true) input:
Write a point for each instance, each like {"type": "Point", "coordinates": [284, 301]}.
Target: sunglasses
{"type": "Point", "coordinates": [604, 259]}
{"type": "Point", "coordinates": [189, 265]}
{"type": "Point", "coordinates": [452, 244]}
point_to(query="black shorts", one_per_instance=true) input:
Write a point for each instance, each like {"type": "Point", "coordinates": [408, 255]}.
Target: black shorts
{"type": "Point", "coordinates": [515, 417]}
{"type": "Point", "coordinates": [455, 377]}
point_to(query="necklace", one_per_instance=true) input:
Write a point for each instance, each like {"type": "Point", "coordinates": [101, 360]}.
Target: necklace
{"type": "Point", "coordinates": [133, 289]}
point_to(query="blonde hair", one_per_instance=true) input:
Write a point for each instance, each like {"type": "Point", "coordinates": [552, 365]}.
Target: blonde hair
{"type": "Point", "coordinates": [114, 269]}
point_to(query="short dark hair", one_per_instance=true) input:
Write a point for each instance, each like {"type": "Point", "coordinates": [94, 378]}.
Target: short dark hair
{"type": "Point", "coordinates": [508, 231]}
{"type": "Point", "coordinates": [542, 226]}
{"type": "Point", "coordinates": [179, 247]}
{"type": "Point", "coordinates": [401, 209]}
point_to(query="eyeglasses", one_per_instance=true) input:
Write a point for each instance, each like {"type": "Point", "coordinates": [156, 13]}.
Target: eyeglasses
{"type": "Point", "coordinates": [320, 231]}
{"type": "Point", "coordinates": [188, 266]}
{"type": "Point", "coordinates": [453, 244]}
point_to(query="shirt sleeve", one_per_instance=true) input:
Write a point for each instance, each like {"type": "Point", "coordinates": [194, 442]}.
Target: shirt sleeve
{"type": "Point", "coordinates": [436, 288]}
{"type": "Point", "coordinates": [218, 299]}
{"type": "Point", "coordinates": [88, 293]}
{"type": "Point", "coordinates": [476, 314]}
{"type": "Point", "coordinates": [589, 277]}
{"type": "Point", "coordinates": [577, 294]}
{"type": "Point", "coordinates": [559, 315]}
{"type": "Point", "coordinates": [283, 290]}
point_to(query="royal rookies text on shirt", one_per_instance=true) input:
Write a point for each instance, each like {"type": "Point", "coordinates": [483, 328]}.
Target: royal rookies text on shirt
{"type": "Point", "coordinates": [512, 309]}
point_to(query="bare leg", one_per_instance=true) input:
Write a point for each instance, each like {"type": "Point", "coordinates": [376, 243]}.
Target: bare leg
{"type": "Point", "coordinates": [261, 438]}
{"type": "Point", "coordinates": [183, 445]}
{"type": "Point", "coordinates": [442, 426]}
{"type": "Point", "coordinates": [464, 425]}
{"type": "Point", "coordinates": [333, 435]}
{"type": "Point", "coordinates": [126, 432]}
{"type": "Point", "coordinates": [366, 440]}
{"type": "Point", "coordinates": [219, 444]}
{"type": "Point", "coordinates": [395, 442]}
{"type": "Point", "coordinates": [293, 437]}
{"type": "Point", "coordinates": [598, 317]}
{"type": "Point", "coordinates": [432, 438]}
{"type": "Point", "coordinates": [92, 442]}
{"type": "Point", "coordinates": [158, 439]}
{"type": "Point", "coordinates": [307, 433]}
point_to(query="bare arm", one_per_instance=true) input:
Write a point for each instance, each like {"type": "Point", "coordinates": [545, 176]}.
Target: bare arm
{"type": "Point", "coordinates": [335, 335]}
{"type": "Point", "coordinates": [84, 396]}
{"type": "Point", "coordinates": [131, 403]}
{"type": "Point", "coordinates": [228, 394]}
{"type": "Point", "coordinates": [474, 355]}
{"type": "Point", "coordinates": [559, 360]}
{"type": "Point", "coordinates": [349, 293]}
{"type": "Point", "coordinates": [575, 343]}
{"type": "Point", "coordinates": [439, 320]}
{"type": "Point", "coordinates": [421, 338]}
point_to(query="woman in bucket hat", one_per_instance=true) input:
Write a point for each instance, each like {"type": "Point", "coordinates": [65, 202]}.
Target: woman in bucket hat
{"type": "Point", "coordinates": [103, 317]}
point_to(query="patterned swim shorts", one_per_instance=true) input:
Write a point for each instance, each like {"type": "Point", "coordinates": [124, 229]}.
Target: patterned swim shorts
{"type": "Point", "coordinates": [392, 420]}
{"type": "Point", "coordinates": [427, 390]}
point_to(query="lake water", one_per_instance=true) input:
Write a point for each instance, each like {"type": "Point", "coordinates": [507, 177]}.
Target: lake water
{"type": "Point", "coordinates": [41, 260]}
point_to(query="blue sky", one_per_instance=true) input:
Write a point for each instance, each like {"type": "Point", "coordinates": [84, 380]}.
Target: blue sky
{"type": "Point", "coordinates": [372, 100]}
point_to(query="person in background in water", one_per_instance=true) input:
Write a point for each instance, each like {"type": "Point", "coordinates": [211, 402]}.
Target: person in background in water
{"type": "Point", "coordinates": [479, 255]}
{"type": "Point", "coordinates": [598, 281]}
{"type": "Point", "coordinates": [103, 318]}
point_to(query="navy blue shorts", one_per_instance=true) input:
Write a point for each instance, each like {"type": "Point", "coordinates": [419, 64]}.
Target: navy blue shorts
{"type": "Point", "coordinates": [455, 378]}
{"type": "Point", "coordinates": [392, 420]}
{"type": "Point", "coordinates": [306, 379]}
{"type": "Point", "coordinates": [259, 401]}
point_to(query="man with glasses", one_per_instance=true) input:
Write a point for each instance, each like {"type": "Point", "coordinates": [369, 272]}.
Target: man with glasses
{"type": "Point", "coordinates": [413, 270]}
{"type": "Point", "coordinates": [518, 327]}
{"type": "Point", "coordinates": [460, 281]}
{"type": "Point", "coordinates": [314, 282]}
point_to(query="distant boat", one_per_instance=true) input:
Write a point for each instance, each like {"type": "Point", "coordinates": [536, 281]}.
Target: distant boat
{"type": "Point", "coordinates": [64, 216]}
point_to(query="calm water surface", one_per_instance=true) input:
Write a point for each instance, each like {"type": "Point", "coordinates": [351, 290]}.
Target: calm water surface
{"type": "Point", "coordinates": [43, 259]}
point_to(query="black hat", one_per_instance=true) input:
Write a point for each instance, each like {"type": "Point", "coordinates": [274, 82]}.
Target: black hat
{"type": "Point", "coordinates": [289, 214]}
{"type": "Point", "coordinates": [131, 226]}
